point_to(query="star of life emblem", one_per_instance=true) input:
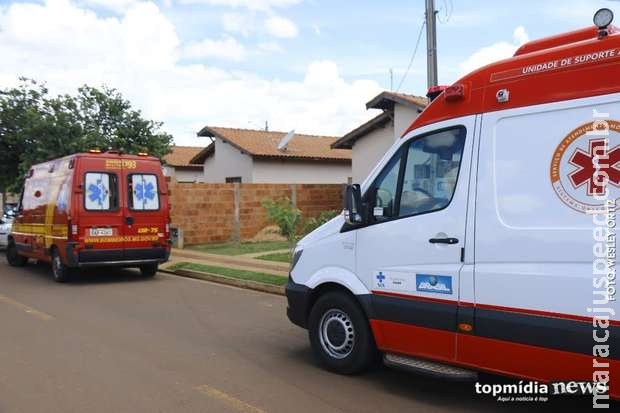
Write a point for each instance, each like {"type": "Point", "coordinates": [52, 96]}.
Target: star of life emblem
{"type": "Point", "coordinates": [585, 167]}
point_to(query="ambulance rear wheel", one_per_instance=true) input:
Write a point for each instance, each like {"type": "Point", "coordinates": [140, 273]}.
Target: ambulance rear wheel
{"type": "Point", "coordinates": [149, 271]}
{"type": "Point", "coordinates": [340, 335]}
{"type": "Point", "coordinates": [13, 257]}
{"type": "Point", "coordinates": [60, 271]}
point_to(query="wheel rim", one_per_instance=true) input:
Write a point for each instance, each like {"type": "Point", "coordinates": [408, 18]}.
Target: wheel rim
{"type": "Point", "coordinates": [56, 265]}
{"type": "Point", "coordinates": [337, 333]}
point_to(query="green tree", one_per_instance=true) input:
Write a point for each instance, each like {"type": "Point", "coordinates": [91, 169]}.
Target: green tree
{"type": "Point", "coordinates": [36, 127]}
{"type": "Point", "coordinates": [282, 213]}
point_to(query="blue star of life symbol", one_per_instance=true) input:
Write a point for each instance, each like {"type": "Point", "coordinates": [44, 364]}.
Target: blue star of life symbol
{"type": "Point", "coordinates": [380, 279]}
{"type": "Point", "coordinates": [97, 193]}
{"type": "Point", "coordinates": [145, 191]}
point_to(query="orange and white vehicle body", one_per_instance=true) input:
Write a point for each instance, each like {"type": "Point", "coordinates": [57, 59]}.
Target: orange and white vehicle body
{"type": "Point", "coordinates": [484, 239]}
{"type": "Point", "coordinates": [94, 209]}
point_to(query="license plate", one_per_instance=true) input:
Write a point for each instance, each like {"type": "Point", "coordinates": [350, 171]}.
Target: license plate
{"type": "Point", "coordinates": [101, 232]}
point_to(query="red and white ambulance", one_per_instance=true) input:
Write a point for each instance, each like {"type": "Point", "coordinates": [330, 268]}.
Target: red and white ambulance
{"type": "Point", "coordinates": [484, 239]}
{"type": "Point", "coordinates": [90, 210]}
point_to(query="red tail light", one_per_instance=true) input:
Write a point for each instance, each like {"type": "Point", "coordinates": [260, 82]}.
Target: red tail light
{"type": "Point", "coordinates": [72, 231]}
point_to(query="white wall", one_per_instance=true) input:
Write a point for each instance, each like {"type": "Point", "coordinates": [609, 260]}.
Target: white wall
{"type": "Point", "coordinates": [227, 161]}
{"type": "Point", "coordinates": [184, 175]}
{"type": "Point", "coordinates": [189, 175]}
{"type": "Point", "coordinates": [301, 172]}
{"type": "Point", "coordinates": [403, 118]}
{"type": "Point", "coordinates": [368, 150]}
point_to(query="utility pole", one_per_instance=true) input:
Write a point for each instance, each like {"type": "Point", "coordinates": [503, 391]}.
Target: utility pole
{"type": "Point", "coordinates": [431, 43]}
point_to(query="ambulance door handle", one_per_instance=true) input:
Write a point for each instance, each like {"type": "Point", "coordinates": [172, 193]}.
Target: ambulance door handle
{"type": "Point", "coordinates": [450, 241]}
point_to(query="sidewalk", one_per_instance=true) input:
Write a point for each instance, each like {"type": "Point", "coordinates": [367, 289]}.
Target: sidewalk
{"type": "Point", "coordinates": [239, 262]}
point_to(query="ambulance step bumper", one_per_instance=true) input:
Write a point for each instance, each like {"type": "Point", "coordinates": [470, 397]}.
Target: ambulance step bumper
{"type": "Point", "coordinates": [428, 367]}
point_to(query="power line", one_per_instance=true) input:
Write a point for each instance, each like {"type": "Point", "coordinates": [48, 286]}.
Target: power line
{"type": "Point", "coordinates": [417, 44]}
{"type": "Point", "coordinates": [448, 8]}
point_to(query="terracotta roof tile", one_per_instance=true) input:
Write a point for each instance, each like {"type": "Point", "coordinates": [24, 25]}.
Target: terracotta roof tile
{"type": "Point", "coordinates": [181, 156]}
{"type": "Point", "coordinates": [387, 99]}
{"type": "Point", "coordinates": [265, 144]}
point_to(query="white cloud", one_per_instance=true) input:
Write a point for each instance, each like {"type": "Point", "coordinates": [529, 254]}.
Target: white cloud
{"type": "Point", "coordinates": [139, 54]}
{"type": "Point", "coordinates": [226, 48]}
{"type": "Point", "coordinates": [281, 27]}
{"type": "Point", "coordinates": [270, 47]}
{"type": "Point", "coordinates": [238, 23]}
{"type": "Point", "coordinates": [118, 6]}
{"type": "Point", "coordinates": [495, 52]}
{"type": "Point", "coordinates": [247, 4]}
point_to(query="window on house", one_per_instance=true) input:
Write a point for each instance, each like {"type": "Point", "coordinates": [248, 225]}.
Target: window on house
{"type": "Point", "coordinates": [233, 179]}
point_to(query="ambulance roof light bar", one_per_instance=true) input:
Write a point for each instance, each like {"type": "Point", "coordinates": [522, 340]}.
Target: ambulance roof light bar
{"type": "Point", "coordinates": [602, 20]}
{"type": "Point", "coordinates": [435, 91]}
{"type": "Point", "coordinates": [451, 93]}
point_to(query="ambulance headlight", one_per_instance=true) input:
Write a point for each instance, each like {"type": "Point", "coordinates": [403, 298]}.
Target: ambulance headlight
{"type": "Point", "coordinates": [603, 18]}
{"type": "Point", "coordinates": [295, 259]}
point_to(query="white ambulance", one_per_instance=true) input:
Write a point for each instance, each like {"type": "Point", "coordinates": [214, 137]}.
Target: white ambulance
{"type": "Point", "coordinates": [484, 239]}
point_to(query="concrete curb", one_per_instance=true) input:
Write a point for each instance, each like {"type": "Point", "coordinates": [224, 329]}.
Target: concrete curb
{"type": "Point", "coordinates": [221, 279]}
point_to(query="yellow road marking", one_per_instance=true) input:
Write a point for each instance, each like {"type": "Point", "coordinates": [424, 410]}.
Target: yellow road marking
{"type": "Point", "coordinates": [238, 405]}
{"type": "Point", "coordinates": [32, 311]}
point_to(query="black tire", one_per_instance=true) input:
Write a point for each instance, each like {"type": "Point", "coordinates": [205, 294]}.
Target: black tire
{"type": "Point", "coordinates": [60, 271]}
{"type": "Point", "coordinates": [340, 335]}
{"type": "Point", "coordinates": [13, 257]}
{"type": "Point", "coordinates": [149, 271]}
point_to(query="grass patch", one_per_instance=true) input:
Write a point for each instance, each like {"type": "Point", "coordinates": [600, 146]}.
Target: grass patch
{"type": "Point", "coordinates": [278, 257]}
{"type": "Point", "coordinates": [232, 273]}
{"type": "Point", "coordinates": [242, 247]}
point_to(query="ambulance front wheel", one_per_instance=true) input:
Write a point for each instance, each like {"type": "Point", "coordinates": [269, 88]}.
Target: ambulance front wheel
{"type": "Point", "coordinates": [60, 271]}
{"type": "Point", "coordinates": [340, 335]}
{"type": "Point", "coordinates": [13, 257]}
{"type": "Point", "coordinates": [149, 270]}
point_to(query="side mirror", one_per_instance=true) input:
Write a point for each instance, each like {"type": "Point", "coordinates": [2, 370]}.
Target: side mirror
{"type": "Point", "coordinates": [353, 205]}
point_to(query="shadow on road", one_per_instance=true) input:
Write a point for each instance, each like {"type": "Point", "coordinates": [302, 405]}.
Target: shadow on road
{"type": "Point", "coordinates": [88, 276]}
{"type": "Point", "coordinates": [448, 394]}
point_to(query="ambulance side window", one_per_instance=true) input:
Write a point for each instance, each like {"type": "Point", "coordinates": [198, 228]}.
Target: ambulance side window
{"type": "Point", "coordinates": [144, 192]}
{"type": "Point", "coordinates": [100, 191]}
{"type": "Point", "coordinates": [383, 192]}
{"type": "Point", "coordinates": [431, 171]}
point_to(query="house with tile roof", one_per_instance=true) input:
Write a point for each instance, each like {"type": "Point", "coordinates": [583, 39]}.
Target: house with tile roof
{"type": "Point", "coordinates": [371, 140]}
{"type": "Point", "coordinates": [258, 156]}
{"type": "Point", "coordinates": [178, 164]}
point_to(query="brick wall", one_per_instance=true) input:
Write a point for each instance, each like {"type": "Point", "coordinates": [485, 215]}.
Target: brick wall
{"type": "Point", "coordinates": [210, 213]}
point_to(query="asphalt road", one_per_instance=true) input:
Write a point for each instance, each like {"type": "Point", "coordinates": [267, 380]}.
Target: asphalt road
{"type": "Point", "coordinates": [115, 342]}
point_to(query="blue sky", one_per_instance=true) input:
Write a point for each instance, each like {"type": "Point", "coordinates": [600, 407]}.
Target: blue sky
{"type": "Point", "coordinates": [304, 64]}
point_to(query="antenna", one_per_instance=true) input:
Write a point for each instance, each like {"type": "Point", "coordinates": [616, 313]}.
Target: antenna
{"type": "Point", "coordinates": [285, 141]}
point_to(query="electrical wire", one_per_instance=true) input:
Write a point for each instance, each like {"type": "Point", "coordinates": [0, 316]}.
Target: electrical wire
{"type": "Point", "coordinates": [448, 8]}
{"type": "Point", "coordinates": [415, 50]}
